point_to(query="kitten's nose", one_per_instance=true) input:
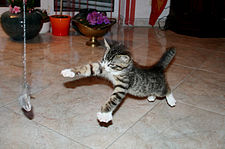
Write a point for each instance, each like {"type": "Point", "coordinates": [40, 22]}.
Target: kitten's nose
{"type": "Point", "coordinates": [103, 65]}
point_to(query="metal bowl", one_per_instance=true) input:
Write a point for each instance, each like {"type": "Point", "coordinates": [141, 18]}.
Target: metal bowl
{"type": "Point", "coordinates": [93, 33]}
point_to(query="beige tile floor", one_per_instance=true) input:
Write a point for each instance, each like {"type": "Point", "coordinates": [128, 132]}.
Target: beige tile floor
{"type": "Point", "coordinates": [65, 111]}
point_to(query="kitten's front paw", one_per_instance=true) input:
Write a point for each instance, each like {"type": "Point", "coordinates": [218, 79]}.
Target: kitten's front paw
{"type": "Point", "coordinates": [151, 98]}
{"type": "Point", "coordinates": [104, 117]}
{"type": "Point", "coordinates": [68, 73]}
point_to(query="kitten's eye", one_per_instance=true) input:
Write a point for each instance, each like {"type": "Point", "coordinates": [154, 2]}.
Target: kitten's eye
{"type": "Point", "coordinates": [111, 65]}
{"type": "Point", "coordinates": [115, 67]}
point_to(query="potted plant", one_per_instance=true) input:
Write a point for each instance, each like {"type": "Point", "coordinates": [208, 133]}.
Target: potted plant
{"type": "Point", "coordinates": [93, 24]}
{"type": "Point", "coordinates": [12, 20]}
{"type": "Point", "coordinates": [60, 23]}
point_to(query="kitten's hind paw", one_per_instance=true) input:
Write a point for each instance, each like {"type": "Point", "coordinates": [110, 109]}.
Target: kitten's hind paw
{"type": "Point", "coordinates": [68, 73]}
{"type": "Point", "coordinates": [104, 117]}
{"type": "Point", "coordinates": [171, 100]}
{"type": "Point", "coordinates": [172, 103]}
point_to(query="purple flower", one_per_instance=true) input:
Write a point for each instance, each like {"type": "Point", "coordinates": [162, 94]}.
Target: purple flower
{"type": "Point", "coordinates": [89, 17]}
{"type": "Point", "coordinates": [95, 14]}
{"type": "Point", "coordinates": [93, 22]}
{"type": "Point", "coordinates": [97, 18]}
{"type": "Point", "coordinates": [106, 21]}
{"type": "Point", "coordinates": [99, 21]}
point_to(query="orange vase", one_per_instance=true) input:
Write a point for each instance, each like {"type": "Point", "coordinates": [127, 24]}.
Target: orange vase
{"type": "Point", "coordinates": [60, 24]}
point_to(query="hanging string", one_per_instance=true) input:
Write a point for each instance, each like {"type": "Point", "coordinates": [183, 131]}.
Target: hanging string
{"type": "Point", "coordinates": [24, 47]}
{"type": "Point", "coordinates": [24, 99]}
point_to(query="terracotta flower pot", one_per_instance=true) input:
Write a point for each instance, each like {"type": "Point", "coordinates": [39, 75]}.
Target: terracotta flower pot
{"type": "Point", "coordinates": [60, 24]}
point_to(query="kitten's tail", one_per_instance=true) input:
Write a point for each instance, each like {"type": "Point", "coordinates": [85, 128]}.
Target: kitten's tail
{"type": "Point", "coordinates": [166, 58]}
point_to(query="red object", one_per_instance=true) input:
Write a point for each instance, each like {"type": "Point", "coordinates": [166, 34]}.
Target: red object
{"type": "Point", "coordinates": [87, 3]}
{"type": "Point", "coordinates": [60, 26]}
{"type": "Point", "coordinates": [127, 11]}
{"type": "Point", "coordinates": [132, 12]}
{"type": "Point", "coordinates": [157, 8]}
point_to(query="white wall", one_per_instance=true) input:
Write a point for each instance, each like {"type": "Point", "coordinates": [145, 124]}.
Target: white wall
{"type": "Point", "coordinates": [48, 5]}
{"type": "Point", "coordinates": [3, 9]}
{"type": "Point", "coordinates": [142, 13]}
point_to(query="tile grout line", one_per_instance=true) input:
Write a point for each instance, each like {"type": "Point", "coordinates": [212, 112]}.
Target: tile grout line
{"type": "Point", "coordinates": [205, 70]}
{"type": "Point", "coordinates": [16, 100]}
{"type": "Point", "coordinates": [188, 76]}
{"type": "Point", "coordinates": [33, 121]}
{"type": "Point", "coordinates": [11, 102]}
{"type": "Point", "coordinates": [194, 70]}
{"type": "Point", "coordinates": [132, 125]}
{"type": "Point", "coordinates": [199, 67]}
{"type": "Point", "coordinates": [64, 136]}
{"type": "Point", "coordinates": [191, 105]}
{"type": "Point", "coordinates": [185, 66]}
{"type": "Point", "coordinates": [185, 78]}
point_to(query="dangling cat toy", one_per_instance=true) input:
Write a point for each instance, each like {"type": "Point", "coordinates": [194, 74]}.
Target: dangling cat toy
{"type": "Point", "coordinates": [127, 78]}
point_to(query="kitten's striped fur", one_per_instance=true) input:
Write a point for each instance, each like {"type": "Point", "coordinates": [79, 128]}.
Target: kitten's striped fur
{"type": "Point", "coordinates": [118, 67]}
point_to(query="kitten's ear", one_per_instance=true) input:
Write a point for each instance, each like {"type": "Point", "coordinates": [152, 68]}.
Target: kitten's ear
{"type": "Point", "coordinates": [125, 58]}
{"type": "Point", "coordinates": [106, 44]}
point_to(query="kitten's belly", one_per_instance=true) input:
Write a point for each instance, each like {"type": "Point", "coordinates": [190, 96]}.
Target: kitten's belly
{"type": "Point", "coordinates": [139, 92]}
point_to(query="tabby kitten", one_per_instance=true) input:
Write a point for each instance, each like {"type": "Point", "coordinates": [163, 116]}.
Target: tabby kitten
{"type": "Point", "coordinates": [126, 77]}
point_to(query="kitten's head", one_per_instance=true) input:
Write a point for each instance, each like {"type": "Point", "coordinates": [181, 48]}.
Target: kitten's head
{"type": "Point", "coordinates": [116, 57]}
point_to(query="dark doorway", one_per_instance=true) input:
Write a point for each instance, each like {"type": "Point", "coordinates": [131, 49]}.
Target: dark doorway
{"type": "Point", "coordinates": [201, 18]}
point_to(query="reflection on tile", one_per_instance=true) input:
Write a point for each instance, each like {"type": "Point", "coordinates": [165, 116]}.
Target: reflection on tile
{"type": "Point", "coordinates": [179, 127]}
{"type": "Point", "coordinates": [10, 83]}
{"type": "Point", "coordinates": [205, 90]}
{"type": "Point", "coordinates": [18, 132]}
{"type": "Point", "coordinates": [42, 74]}
{"type": "Point", "coordinates": [175, 74]}
{"type": "Point", "coordinates": [190, 56]}
{"type": "Point", "coordinates": [213, 44]}
{"type": "Point", "coordinates": [215, 63]}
